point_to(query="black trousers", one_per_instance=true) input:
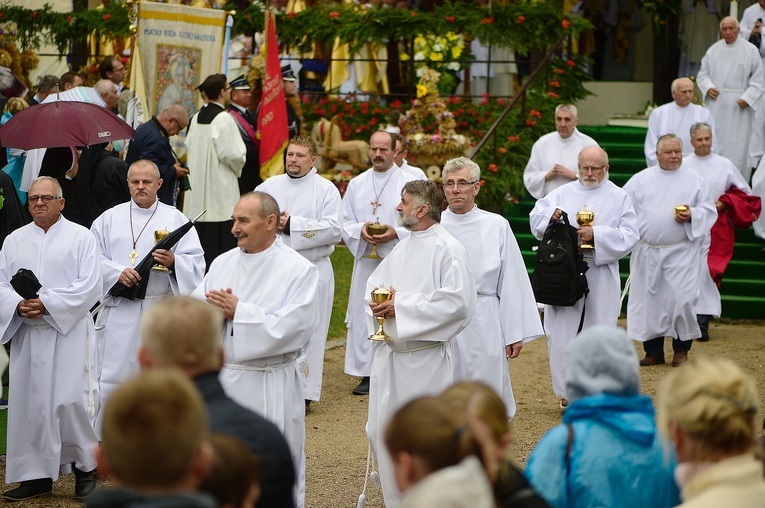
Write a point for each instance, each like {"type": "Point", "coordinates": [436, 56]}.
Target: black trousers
{"type": "Point", "coordinates": [655, 347]}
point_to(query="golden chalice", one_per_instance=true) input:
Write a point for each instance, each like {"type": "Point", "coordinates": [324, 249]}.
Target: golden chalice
{"type": "Point", "coordinates": [380, 295]}
{"type": "Point", "coordinates": [585, 218]}
{"type": "Point", "coordinates": [680, 208]}
{"type": "Point", "coordinates": [372, 230]}
{"type": "Point", "coordinates": [160, 235]}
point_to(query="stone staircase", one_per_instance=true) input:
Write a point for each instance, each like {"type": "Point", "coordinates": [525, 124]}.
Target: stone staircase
{"type": "Point", "coordinates": [743, 288]}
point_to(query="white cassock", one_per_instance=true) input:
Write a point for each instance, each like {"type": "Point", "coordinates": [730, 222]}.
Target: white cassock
{"type": "Point", "coordinates": [366, 188]}
{"type": "Point", "coordinates": [615, 233]}
{"type": "Point", "coordinates": [748, 19]}
{"type": "Point", "coordinates": [549, 150]}
{"type": "Point", "coordinates": [277, 312]}
{"type": "Point", "coordinates": [720, 175]}
{"type": "Point", "coordinates": [505, 312]}
{"type": "Point", "coordinates": [664, 266]}
{"type": "Point", "coordinates": [53, 390]}
{"type": "Point", "coordinates": [758, 189]}
{"type": "Point", "coordinates": [313, 203]}
{"type": "Point", "coordinates": [216, 156]}
{"type": "Point", "coordinates": [413, 171]}
{"type": "Point", "coordinates": [736, 70]}
{"type": "Point", "coordinates": [435, 299]}
{"type": "Point", "coordinates": [672, 119]}
{"type": "Point", "coordinates": [119, 340]}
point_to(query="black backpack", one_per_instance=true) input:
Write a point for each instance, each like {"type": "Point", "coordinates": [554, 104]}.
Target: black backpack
{"type": "Point", "coordinates": [558, 277]}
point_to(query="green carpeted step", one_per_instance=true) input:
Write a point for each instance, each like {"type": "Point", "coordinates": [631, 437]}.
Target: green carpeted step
{"type": "Point", "coordinates": [609, 134]}
{"type": "Point", "coordinates": [742, 307]}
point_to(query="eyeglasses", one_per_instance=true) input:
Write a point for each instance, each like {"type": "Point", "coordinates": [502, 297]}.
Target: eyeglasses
{"type": "Point", "coordinates": [462, 184]}
{"type": "Point", "coordinates": [177, 123]}
{"type": "Point", "coordinates": [45, 199]}
{"type": "Point", "coordinates": [586, 169]}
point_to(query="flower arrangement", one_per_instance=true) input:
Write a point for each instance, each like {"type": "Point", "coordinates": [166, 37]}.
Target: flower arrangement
{"type": "Point", "coordinates": [439, 53]}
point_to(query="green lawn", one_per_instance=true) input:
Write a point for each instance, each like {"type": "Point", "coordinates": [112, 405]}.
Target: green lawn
{"type": "Point", "coordinates": [342, 263]}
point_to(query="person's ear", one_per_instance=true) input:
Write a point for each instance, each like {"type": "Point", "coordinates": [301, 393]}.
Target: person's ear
{"type": "Point", "coordinates": [144, 358]}
{"type": "Point", "coordinates": [103, 463]}
{"type": "Point", "coordinates": [202, 461]}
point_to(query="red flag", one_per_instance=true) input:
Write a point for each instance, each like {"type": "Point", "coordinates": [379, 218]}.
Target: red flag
{"type": "Point", "coordinates": [272, 117]}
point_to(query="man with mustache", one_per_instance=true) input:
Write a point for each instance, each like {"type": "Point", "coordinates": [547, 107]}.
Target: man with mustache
{"type": "Point", "coordinates": [125, 234]}
{"type": "Point", "coordinates": [310, 224]}
{"type": "Point", "coordinates": [613, 234]}
{"type": "Point", "coordinates": [372, 196]}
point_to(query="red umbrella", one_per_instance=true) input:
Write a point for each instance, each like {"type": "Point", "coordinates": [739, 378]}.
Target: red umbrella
{"type": "Point", "coordinates": [61, 124]}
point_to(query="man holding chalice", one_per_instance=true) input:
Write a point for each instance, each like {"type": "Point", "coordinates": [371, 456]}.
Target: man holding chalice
{"type": "Point", "coordinates": [675, 211]}
{"type": "Point", "coordinates": [608, 230]}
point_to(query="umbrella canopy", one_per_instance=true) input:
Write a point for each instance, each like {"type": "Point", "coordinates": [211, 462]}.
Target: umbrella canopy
{"type": "Point", "coordinates": [77, 94]}
{"type": "Point", "coordinates": [62, 124]}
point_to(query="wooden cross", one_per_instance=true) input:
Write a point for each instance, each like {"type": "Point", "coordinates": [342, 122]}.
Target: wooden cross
{"type": "Point", "coordinates": [133, 257]}
{"type": "Point", "coordinates": [375, 204]}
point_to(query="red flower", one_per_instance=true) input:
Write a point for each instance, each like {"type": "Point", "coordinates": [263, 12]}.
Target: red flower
{"type": "Point", "coordinates": [520, 19]}
{"type": "Point", "coordinates": [292, 15]}
{"type": "Point", "coordinates": [565, 24]}
{"type": "Point", "coordinates": [493, 168]}
{"type": "Point", "coordinates": [487, 21]}
{"type": "Point", "coordinates": [450, 19]}
{"type": "Point", "coordinates": [536, 113]}
{"type": "Point", "coordinates": [552, 95]}
{"type": "Point", "coordinates": [571, 63]}
{"type": "Point", "coordinates": [555, 84]}
{"type": "Point", "coordinates": [334, 14]}
{"type": "Point", "coordinates": [396, 104]}
{"type": "Point", "coordinates": [93, 69]}
{"type": "Point", "coordinates": [513, 139]}
{"type": "Point", "coordinates": [124, 60]}
{"type": "Point", "coordinates": [482, 182]}
{"type": "Point", "coordinates": [2, 14]}
{"type": "Point", "coordinates": [106, 16]}
{"type": "Point", "coordinates": [305, 100]}
{"type": "Point", "coordinates": [530, 123]}
{"type": "Point", "coordinates": [373, 121]}
{"type": "Point", "coordinates": [502, 149]}
{"type": "Point", "coordinates": [413, 13]}
{"type": "Point", "coordinates": [501, 102]}
{"type": "Point", "coordinates": [68, 18]}
{"type": "Point", "coordinates": [559, 71]}
{"type": "Point", "coordinates": [33, 14]}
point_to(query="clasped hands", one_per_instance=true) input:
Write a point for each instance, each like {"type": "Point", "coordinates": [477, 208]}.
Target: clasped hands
{"type": "Point", "coordinates": [32, 308]}
{"type": "Point", "coordinates": [389, 235]}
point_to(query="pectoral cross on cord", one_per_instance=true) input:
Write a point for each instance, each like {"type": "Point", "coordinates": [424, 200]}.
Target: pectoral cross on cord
{"type": "Point", "coordinates": [134, 255]}
{"type": "Point", "coordinates": [375, 204]}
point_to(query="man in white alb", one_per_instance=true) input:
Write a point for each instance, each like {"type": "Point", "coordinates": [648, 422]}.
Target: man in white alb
{"type": "Point", "coordinates": [613, 233]}
{"type": "Point", "coordinates": [731, 81]}
{"type": "Point", "coordinates": [400, 159]}
{"type": "Point", "coordinates": [553, 156]}
{"type": "Point", "coordinates": [506, 315]}
{"type": "Point", "coordinates": [433, 295]}
{"type": "Point", "coordinates": [676, 118]}
{"type": "Point", "coordinates": [371, 197]}
{"type": "Point", "coordinates": [751, 25]}
{"type": "Point", "coordinates": [310, 224]}
{"type": "Point", "coordinates": [125, 234]}
{"type": "Point", "coordinates": [664, 266]}
{"type": "Point", "coordinates": [269, 296]}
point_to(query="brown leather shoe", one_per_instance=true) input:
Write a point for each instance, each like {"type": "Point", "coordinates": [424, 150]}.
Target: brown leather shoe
{"type": "Point", "coordinates": [679, 359]}
{"type": "Point", "coordinates": [648, 361]}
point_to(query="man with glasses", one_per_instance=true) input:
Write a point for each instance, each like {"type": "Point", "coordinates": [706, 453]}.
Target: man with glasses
{"type": "Point", "coordinates": [52, 396]}
{"type": "Point", "coordinates": [553, 156]}
{"type": "Point", "coordinates": [613, 234]}
{"type": "Point", "coordinates": [506, 315]}
{"type": "Point", "coordinates": [675, 211]}
{"type": "Point", "coordinates": [152, 142]}
{"type": "Point", "coordinates": [216, 156]}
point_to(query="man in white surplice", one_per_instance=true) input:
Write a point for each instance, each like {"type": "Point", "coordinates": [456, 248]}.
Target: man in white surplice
{"type": "Point", "coordinates": [506, 315]}
{"type": "Point", "coordinates": [751, 24]}
{"type": "Point", "coordinates": [52, 395]}
{"type": "Point", "coordinates": [676, 118]}
{"type": "Point", "coordinates": [371, 196]}
{"type": "Point", "coordinates": [269, 297]}
{"type": "Point", "coordinates": [664, 266]}
{"type": "Point", "coordinates": [125, 234]}
{"type": "Point", "coordinates": [613, 234]}
{"type": "Point", "coordinates": [310, 224]}
{"type": "Point", "coordinates": [553, 156]}
{"type": "Point", "coordinates": [720, 175]}
{"type": "Point", "coordinates": [400, 159]}
{"type": "Point", "coordinates": [433, 298]}
{"type": "Point", "coordinates": [731, 81]}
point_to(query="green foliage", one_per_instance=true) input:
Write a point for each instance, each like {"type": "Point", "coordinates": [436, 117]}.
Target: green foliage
{"type": "Point", "coordinates": [342, 264]}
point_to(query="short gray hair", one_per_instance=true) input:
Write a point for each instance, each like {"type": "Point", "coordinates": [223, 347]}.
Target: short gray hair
{"type": "Point", "coordinates": [145, 163]}
{"type": "Point", "coordinates": [700, 126]}
{"type": "Point", "coordinates": [458, 163]}
{"type": "Point", "coordinates": [667, 137]}
{"type": "Point", "coordinates": [268, 205]}
{"type": "Point", "coordinates": [566, 107]}
{"type": "Point", "coordinates": [676, 82]}
{"type": "Point", "coordinates": [50, 179]}
{"type": "Point", "coordinates": [428, 193]}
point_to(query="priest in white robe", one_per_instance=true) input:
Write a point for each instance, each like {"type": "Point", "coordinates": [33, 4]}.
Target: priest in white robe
{"type": "Point", "coordinates": [125, 234]}
{"type": "Point", "coordinates": [433, 298]}
{"type": "Point", "coordinates": [553, 156]}
{"type": "Point", "coordinates": [269, 297]}
{"type": "Point", "coordinates": [371, 197]}
{"type": "Point", "coordinates": [676, 118]}
{"type": "Point", "coordinates": [664, 266]}
{"type": "Point", "coordinates": [310, 224]}
{"type": "Point", "coordinates": [400, 159]}
{"type": "Point", "coordinates": [613, 234]}
{"type": "Point", "coordinates": [731, 81]}
{"type": "Point", "coordinates": [52, 397]}
{"type": "Point", "coordinates": [749, 24]}
{"type": "Point", "coordinates": [721, 175]}
{"type": "Point", "coordinates": [216, 156]}
{"type": "Point", "coordinates": [506, 315]}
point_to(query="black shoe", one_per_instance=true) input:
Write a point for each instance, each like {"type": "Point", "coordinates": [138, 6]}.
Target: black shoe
{"type": "Point", "coordinates": [704, 336]}
{"type": "Point", "coordinates": [307, 406]}
{"type": "Point", "coordinates": [363, 387]}
{"type": "Point", "coordinates": [30, 489]}
{"type": "Point", "coordinates": [84, 483]}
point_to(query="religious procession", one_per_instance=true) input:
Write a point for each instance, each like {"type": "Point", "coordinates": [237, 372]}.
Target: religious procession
{"type": "Point", "coordinates": [294, 253]}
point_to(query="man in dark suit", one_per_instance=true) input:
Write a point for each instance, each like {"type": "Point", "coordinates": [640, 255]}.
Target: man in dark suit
{"type": "Point", "coordinates": [46, 87]}
{"type": "Point", "coordinates": [247, 121]}
{"type": "Point", "coordinates": [184, 333]}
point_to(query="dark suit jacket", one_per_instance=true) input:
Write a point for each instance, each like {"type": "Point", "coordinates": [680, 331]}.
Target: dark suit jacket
{"type": "Point", "coordinates": [277, 472]}
{"type": "Point", "coordinates": [151, 142]}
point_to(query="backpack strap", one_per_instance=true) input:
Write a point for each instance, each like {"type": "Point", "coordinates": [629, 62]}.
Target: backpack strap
{"type": "Point", "coordinates": [584, 309]}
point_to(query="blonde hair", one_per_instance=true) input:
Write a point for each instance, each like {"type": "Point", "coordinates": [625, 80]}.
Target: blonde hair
{"type": "Point", "coordinates": [714, 402]}
{"type": "Point", "coordinates": [471, 398]}
{"type": "Point", "coordinates": [15, 104]}
{"type": "Point", "coordinates": [154, 426]}
{"type": "Point", "coordinates": [183, 332]}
